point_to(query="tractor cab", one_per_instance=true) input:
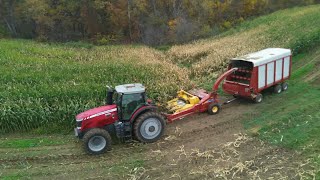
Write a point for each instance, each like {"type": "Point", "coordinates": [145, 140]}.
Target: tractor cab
{"type": "Point", "coordinates": [128, 98]}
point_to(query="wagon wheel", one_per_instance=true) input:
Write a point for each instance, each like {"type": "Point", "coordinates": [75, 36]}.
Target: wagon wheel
{"type": "Point", "coordinates": [214, 108]}
{"type": "Point", "coordinates": [258, 98]}
{"type": "Point", "coordinates": [284, 86]}
{"type": "Point", "coordinates": [277, 89]}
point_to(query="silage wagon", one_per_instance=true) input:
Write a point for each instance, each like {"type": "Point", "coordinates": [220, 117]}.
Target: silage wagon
{"type": "Point", "coordinates": [269, 68]}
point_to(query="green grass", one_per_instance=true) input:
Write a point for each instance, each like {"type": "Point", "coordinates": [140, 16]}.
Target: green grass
{"type": "Point", "coordinates": [163, 48]}
{"type": "Point", "coordinates": [130, 163]}
{"type": "Point", "coordinates": [125, 167]}
{"type": "Point", "coordinates": [295, 28]}
{"type": "Point", "coordinates": [27, 143]}
{"type": "Point", "coordinates": [292, 119]}
{"type": "Point", "coordinates": [13, 177]}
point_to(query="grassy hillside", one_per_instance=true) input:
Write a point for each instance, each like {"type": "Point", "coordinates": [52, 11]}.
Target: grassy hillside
{"type": "Point", "coordinates": [44, 86]}
{"type": "Point", "coordinates": [297, 28]}
{"type": "Point", "coordinates": [293, 119]}
{"type": "Point", "coordinates": [47, 85]}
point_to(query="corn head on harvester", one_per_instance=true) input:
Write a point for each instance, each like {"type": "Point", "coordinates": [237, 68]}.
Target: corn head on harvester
{"type": "Point", "coordinates": [130, 115]}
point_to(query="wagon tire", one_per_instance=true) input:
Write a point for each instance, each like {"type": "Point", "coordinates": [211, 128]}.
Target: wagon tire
{"type": "Point", "coordinates": [258, 98]}
{"type": "Point", "coordinates": [149, 127]}
{"type": "Point", "coordinates": [284, 86]}
{"type": "Point", "coordinates": [277, 89]}
{"type": "Point", "coordinates": [97, 141]}
{"type": "Point", "coordinates": [214, 108]}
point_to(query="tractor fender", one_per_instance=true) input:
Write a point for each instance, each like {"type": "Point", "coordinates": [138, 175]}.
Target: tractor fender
{"type": "Point", "coordinates": [142, 110]}
{"type": "Point", "coordinates": [109, 128]}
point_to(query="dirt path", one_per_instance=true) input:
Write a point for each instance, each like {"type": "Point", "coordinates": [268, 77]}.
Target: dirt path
{"type": "Point", "coordinates": [198, 147]}
{"type": "Point", "coordinates": [216, 147]}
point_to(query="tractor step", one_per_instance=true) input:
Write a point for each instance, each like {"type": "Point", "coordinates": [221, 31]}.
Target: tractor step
{"type": "Point", "coordinates": [124, 131]}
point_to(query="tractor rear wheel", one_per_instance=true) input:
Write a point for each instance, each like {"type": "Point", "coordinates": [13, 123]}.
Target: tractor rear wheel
{"type": "Point", "coordinates": [97, 141]}
{"type": "Point", "coordinates": [214, 108]}
{"type": "Point", "coordinates": [149, 127]}
{"type": "Point", "coordinates": [284, 86]}
{"type": "Point", "coordinates": [277, 89]}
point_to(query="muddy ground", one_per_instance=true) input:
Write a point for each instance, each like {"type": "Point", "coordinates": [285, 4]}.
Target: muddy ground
{"type": "Point", "coordinates": [198, 147]}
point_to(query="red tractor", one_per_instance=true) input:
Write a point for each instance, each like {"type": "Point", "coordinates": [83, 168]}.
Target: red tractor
{"type": "Point", "coordinates": [128, 113]}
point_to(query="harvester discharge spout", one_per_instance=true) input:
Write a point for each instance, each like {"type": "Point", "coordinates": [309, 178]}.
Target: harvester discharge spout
{"type": "Point", "coordinates": [221, 78]}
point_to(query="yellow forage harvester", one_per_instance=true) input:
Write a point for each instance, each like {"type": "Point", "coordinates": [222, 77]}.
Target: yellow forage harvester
{"type": "Point", "coordinates": [183, 101]}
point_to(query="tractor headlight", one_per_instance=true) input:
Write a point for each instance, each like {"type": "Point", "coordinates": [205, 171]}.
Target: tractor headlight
{"type": "Point", "coordinates": [79, 123]}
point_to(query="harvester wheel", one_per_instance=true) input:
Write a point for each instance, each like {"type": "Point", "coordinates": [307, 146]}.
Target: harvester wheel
{"type": "Point", "coordinates": [214, 108]}
{"type": "Point", "coordinates": [277, 89]}
{"type": "Point", "coordinates": [284, 86]}
{"type": "Point", "coordinates": [97, 141]}
{"type": "Point", "coordinates": [258, 98]}
{"type": "Point", "coordinates": [149, 127]}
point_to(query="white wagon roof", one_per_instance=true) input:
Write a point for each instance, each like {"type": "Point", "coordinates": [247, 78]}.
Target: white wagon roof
{"type": "Point", "coordinates": [264, 56]}
{"type": "Point", "coordinates": [130, 88]}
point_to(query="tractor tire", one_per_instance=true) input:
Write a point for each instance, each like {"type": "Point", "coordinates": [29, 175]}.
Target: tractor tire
{"type": "Point", "coordinates": [284, 86]}
{"type": "Point", "coordinates": [97, 141]}
{"type": "Point", "coordinates": [214, 108]}
{"type": "Point", "coordinates": [277, 89]}
{"type": "Point", "coordinates": [258, 98]}
{"type": "Point", "coordinates": [149, 127]}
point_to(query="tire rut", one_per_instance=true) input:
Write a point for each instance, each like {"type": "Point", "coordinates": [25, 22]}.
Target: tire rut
{"type": "Point", "coordinates": [44, 158]}
{"type": "Point", "coordinates": [211, 131]}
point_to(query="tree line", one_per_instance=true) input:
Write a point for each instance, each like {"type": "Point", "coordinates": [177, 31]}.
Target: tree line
{"type": "Point", "coordinates": [152, 22]}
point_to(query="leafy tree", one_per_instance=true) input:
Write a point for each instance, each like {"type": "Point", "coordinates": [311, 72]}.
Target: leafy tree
{"type": "Point", "coordinates": [152, 22]}
{"type": "Point", "coordinates": [7, 8]}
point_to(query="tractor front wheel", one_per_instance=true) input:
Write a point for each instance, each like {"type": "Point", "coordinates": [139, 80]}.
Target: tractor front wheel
{"type": "Point", "coordinates": [149, 127]}
{"type": "Point", "coordinates": [214, 108]}
{"type": "Point", "coordinates": [97, 141]}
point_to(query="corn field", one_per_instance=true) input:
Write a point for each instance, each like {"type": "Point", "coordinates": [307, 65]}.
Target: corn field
{"type": "Point", "coordinates": [47, 85]}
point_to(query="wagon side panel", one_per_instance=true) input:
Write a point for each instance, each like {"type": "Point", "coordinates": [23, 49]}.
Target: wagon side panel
{"type": "Point", "coordinates": [290, 66]}
{"type": "Point", "coordinates": [270, 73]}
{"type": "Point", "coordinates": [286, 67]}
{"type": "Point", "coordinates": [262, 77]}
{"type": "Point", "coordinates": [279, 70]}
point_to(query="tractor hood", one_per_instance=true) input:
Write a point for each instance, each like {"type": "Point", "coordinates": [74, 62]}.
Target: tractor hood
{"type": "Point", "coordinates": [96, 112]}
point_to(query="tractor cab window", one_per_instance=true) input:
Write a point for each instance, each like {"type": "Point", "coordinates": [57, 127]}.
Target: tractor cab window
{"type": "Point", "coordinates": [116, 98]}
{"type": "Point", "coordinates": [130, 103]}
